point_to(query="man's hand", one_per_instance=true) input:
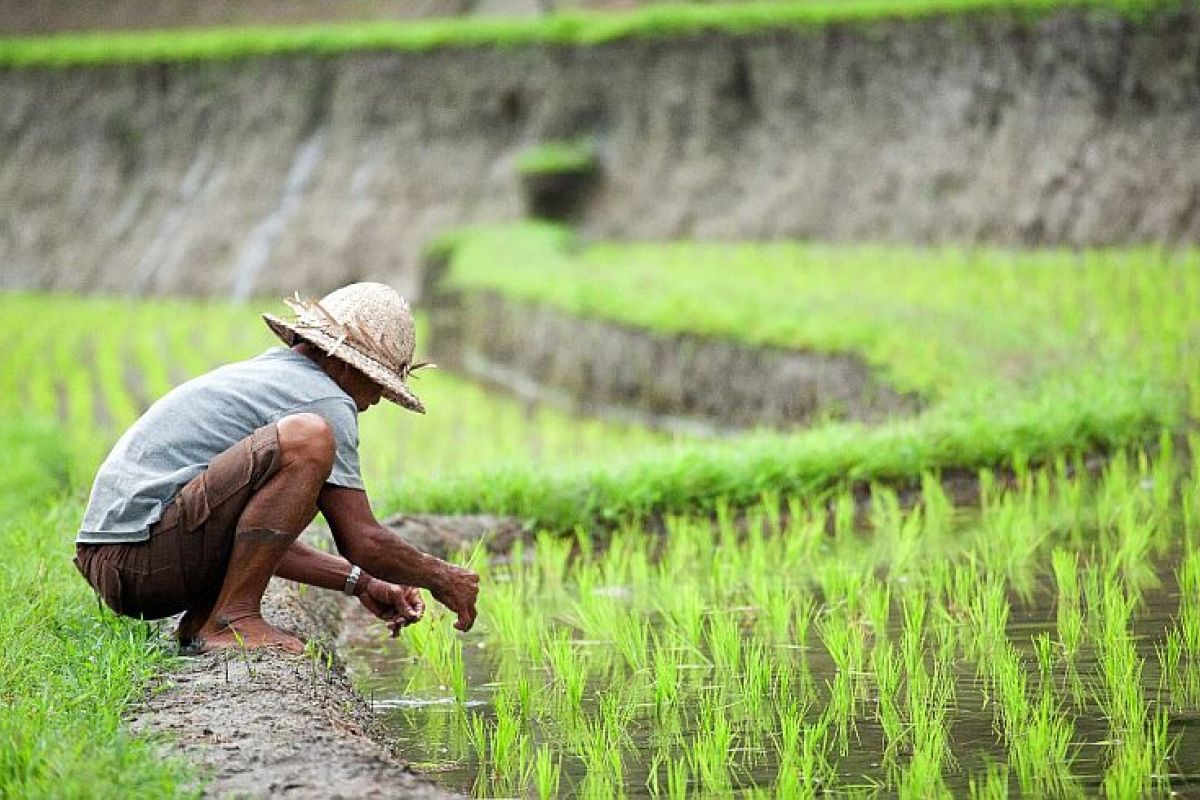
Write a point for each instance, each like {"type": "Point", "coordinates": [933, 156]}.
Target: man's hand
{"type": "Point", "coordinates": [361, 538]}
{"type": "Point", "coordinates": [396, 605]}
{"type": "Point", "coordinates": [456, 588]}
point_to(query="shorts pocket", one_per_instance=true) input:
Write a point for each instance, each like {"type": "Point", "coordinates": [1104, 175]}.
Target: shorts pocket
{"type": "Point", "coordinates": [108, 584]}
{"type": "Point", "coordinates": [228, 474]}
{"type": "Point", "coordinates": [193, 504]}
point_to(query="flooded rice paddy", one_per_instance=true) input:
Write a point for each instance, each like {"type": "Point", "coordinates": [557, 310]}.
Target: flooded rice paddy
{"type": "Point", "coordinates": [1044, 644]}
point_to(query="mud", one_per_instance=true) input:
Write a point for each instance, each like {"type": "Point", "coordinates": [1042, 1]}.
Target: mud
{"type": "Point", "coordinates": [266, 724]}
{"type": "Point", "coordinates": [682, 383]}
{"type": "Point", "coordinates": [442, 536]}
{"type": "Point", "coordinates": [264, 176]}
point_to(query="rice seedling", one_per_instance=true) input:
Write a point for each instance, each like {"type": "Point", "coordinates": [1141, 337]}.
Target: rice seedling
{"type": "Point", "coordinates": [937, 507]}
{"type": "Point", "coordinates": [991, 785]}
{"type": "Point", "coordinates": [1138, 767]}
{"type": "Point", "coordinates": [598, 745]}
{"type": "Point", "coordinates": [878, 609]}
{"type": "Point", "coordinates": [569, 669]}
{"type": "Point", "coordinates": [1127, 559]}
{"type": "Point", "coordinates": [944, 638]}
{"type": "Point", "coordinates": [755, 682]}
{"type": "Point", "coordinates": [805, 530]}
{"type": "Point", "coordinates": [803, 768]}
{"type": "Point", "coordinates": [1041, 751]}
{"type": "Point", "coordinates": [514, 621]}
{"type": "Point", "coordinates": [551, 556]}
{"type": "Point", "coordinates": [547, 773]}
{"type": "Point", "coordinates": [678, 778]}
{"type": "Point", "coordinates": [1188, 576]}
{"type": "Point", "coordinates": [1119, 694]}
{"type": "Point", "coordinates": [928, 694]}
{"type": "Point", "coordinates": [1179, 653]}
{"type": "Point", "coordinates": [886, 665]}
{"type": "Point", "coordinates": [987, 613]}
{"type": "Point", "coordinates": [1011, 540]}
{"type": "Point", "coordinates": [666, 680]}
{"type": "Point", "coordinates": [508, 746]}
{"type": "Point", "coordinates": [843, 582]}
{"type": "Point", "coordinates": [631, 636]}
{"type": "Point", "coordinates": [725, 643]}
{"type": "Point", "coordinates": [902, 533]}
{"type": "Point", "coordinates": [1043, 650]}
{"type": "Point", "coordinates": [1069, 616]}
{"type": "Point", "coordinates": [776, 607]}
{"type": "Point", "coordinates": [709, 753]}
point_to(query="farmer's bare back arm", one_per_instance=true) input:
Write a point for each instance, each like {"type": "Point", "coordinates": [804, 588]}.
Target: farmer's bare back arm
{"type": "Point", "coordinates": [365, 542]}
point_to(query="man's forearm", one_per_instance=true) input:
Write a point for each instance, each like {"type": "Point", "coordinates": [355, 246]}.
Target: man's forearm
{"type": "Point", "coordinates": [306, 564]}
{"type": "Point", "coordinates": [373, 547]}
{"type": "Point", "coordinates": [391, 558]}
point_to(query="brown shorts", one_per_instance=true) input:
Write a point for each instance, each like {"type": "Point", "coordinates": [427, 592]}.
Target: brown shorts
{"type": "Point", "coordinates": [183, 563]}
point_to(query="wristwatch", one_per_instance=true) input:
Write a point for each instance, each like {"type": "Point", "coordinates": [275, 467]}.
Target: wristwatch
{"type": "Point", "coordinates": [352, 580]}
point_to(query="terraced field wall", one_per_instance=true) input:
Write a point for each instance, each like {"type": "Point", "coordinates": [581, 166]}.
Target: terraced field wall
{"type": "Point", "coordinates": [253, 176]}
{"type": "Point", "coordinates": [689, 384]}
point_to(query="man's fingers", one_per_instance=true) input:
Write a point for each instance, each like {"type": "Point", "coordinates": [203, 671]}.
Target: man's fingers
{"type": "Point", "coordinates": [413, 606]}
{"type": "Point", "coordinates": [466, 618]}
{"type": "Point", "coordinates": [458, 593]}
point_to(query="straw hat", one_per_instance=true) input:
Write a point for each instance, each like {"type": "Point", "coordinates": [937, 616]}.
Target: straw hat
{"type": "Point", "coordinates": [367, 325]}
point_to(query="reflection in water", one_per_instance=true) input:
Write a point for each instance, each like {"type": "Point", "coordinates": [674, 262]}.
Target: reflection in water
{"type": "Point", "coordinates": [1046, 645]}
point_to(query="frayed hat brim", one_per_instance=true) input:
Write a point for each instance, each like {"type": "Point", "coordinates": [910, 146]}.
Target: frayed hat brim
{"type": "Point", "coordinates": [393, 385]}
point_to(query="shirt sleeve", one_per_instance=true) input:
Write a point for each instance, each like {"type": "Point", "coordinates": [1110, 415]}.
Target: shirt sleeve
{"type": "Point", "coordinates": [340, 414]}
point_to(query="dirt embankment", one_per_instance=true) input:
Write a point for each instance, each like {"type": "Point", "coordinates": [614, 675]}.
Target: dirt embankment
{"type": "Point", "coordinates": [264, 724]}
{"type": "Point", "coordinates": [685, 383]}
{"type": "Point", "coordinates": [262, 176]}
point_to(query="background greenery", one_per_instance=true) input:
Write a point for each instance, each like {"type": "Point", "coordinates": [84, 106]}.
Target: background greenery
{"type": "Point", "coordinates": [568, 27]}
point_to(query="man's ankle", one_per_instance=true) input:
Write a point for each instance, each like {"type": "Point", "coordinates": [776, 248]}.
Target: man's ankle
{"type": "Point", "coordinates": [233, 616]}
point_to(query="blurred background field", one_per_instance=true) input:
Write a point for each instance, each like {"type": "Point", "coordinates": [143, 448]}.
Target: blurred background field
{"type": "Point", "coordinates": [989, 209]}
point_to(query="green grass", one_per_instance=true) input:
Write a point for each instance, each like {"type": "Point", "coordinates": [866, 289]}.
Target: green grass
{"type": "Point", "coordinates": [574, 27]}
{"type": "Point", "coordinates": [558, 157]}
{"type": "Point", "coordinates": [944, 321]}
{"type": "Point", "coordinates": [68, 669]}
{"type": "Point", "coordinates": [1021, 356]}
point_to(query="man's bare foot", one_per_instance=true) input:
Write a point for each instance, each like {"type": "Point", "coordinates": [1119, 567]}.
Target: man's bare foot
{"type": "Point", "coordinates": [248, 633]}
{"type": "Point", "coordinates": [189, 627]}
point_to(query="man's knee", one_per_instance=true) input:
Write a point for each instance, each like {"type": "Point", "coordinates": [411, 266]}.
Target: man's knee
{"type": "Point", "coordinates": [307, 437]}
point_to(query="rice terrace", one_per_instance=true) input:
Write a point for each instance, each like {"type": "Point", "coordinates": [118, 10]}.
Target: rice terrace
{"type": "Point", "coordinates": [816, 401]}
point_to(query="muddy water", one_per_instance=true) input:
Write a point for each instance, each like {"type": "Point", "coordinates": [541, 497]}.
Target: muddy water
{"type": "Point", "coordinates": [424, 716]}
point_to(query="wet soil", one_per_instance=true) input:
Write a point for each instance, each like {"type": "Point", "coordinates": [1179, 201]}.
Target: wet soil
{"type": "Point", "coordinates": [443, 536]}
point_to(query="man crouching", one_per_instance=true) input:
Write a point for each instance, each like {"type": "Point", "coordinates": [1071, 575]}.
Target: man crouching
{"type": "Point", "coordinates": [201, 501]}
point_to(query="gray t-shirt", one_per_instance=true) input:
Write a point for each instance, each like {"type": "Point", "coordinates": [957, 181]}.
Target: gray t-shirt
{"type": "Point", "coordinates": [178, 435]}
